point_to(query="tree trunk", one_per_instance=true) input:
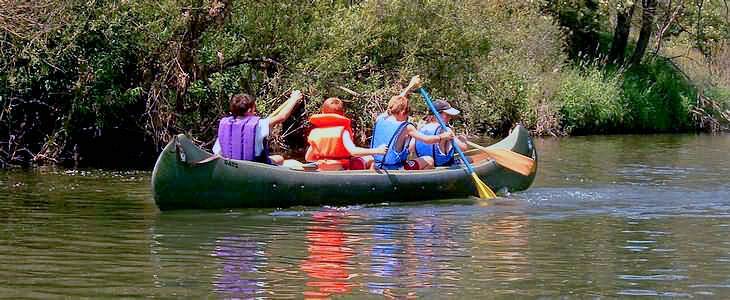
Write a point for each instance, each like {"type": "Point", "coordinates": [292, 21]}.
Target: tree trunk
{"type": "Point", "coordinates": [621, 34]}
{"type": "Point", "coordinates": [647, 23]}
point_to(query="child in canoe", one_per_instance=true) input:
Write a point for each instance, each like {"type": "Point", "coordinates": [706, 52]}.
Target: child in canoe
{"type": "Point", "coordinates": [393, 129]}
{"type": "Point", "coordinates": [330, 141]}
{"type": "Point", "coordinates": [243, 135]}
{"type": "Point", "coordinates": [439, 154]}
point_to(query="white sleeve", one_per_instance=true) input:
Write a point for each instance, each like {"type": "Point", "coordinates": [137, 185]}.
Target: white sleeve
{"type": "Point", "coordinates": [263, 128]}
{"type": "Point", "coordinates": [262, 132]}
{"type": "Point", "coordinates": [347, 141]}
{"type": "Point", "coordinates": [217, 147]}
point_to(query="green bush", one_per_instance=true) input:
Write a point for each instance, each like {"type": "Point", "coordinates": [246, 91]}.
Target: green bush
{"type": "Point", "coordinates": [658, 98]}
{"type": "Point", "coordinates": [150, 69]}
{"type": "Point", "coordinates": [590, 101]}
{"type": "Point", "coordinates": [720, 95]}
{"type": "Point", "coordinates": [164, 67]}
{"type": "Point", "coordinates": [719, 108]}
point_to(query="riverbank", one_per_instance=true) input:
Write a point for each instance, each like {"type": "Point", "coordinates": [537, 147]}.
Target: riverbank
{"type": "Point", "coordinates": [107, 84]}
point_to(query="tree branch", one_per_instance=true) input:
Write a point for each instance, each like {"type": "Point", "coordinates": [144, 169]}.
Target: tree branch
{"type": "Point", "coordinates": [242, 60]}
{"type": "Point", "coordinates": [667, 24]}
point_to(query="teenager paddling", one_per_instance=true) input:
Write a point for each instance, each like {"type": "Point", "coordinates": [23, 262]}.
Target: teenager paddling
{"type": "Point", "coordinates": [393, 129]}
{"type": "Point", "coordinates": [440, 154]}
{"type": "Point", "coordinates": [243, 135]}
{"type": "Point", "coordinates": [330, 142]}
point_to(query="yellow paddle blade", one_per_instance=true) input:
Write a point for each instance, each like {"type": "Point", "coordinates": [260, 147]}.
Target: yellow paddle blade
{"type": "Point", "coordinates": [482, 188]}
{"type": "Point", "coordinates": [512, 160]}
{"type": "Point", "coordinates": [509, 159]}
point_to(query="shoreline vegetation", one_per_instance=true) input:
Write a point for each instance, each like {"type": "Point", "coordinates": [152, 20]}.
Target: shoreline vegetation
{"type": "Point", "coordinates": [108, 83]}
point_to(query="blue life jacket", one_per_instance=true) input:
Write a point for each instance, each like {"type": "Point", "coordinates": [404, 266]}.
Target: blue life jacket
{"type": "Point", "coordinates": [433, 150]}
{"type": "Point", "coordinates": [387, 131]}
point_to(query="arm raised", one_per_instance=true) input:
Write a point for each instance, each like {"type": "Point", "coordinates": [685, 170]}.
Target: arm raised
{"type": "Point", "coordinates": [286, 109]}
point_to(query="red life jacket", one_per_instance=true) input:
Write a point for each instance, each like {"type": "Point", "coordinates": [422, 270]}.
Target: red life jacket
{"type": "Point", "coordinates": [326, 141]}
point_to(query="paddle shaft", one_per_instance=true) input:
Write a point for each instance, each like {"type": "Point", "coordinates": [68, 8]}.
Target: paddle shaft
{"type": "Point", "coordinates": [436, 114]}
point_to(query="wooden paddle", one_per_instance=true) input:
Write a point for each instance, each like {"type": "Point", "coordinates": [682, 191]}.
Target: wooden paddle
{"type": "Point", "coordinates": [484, 191]}
{"type": "Point", "coordinates": [508, 159]}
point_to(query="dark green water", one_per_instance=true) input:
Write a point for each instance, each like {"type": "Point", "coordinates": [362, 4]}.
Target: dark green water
{"type": "Point", "coordinates": [607, 217]}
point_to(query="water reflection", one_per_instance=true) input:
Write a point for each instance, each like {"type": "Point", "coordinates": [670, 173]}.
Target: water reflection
{"type": "Point", "coordinates": [385, 256]}
{"type": "Point", "coordinates": [240, 259]}
{"type": "Point", "coordinates": [437, 245]}
{"type": "Point", "coordinates": [327, 262]}
{"type": "Point", "coordinates": [609, 217]}
{"type": "Point", "coordinates": [504, 242]}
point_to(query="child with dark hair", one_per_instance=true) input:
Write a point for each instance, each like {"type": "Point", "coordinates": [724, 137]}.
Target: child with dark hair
{"type": "Point", "coordinates": [439, 154]}
{"type": "Point", "coordinates": [243, 135]}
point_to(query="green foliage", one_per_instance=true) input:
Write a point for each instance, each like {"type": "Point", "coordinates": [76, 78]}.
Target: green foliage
{"type": "Point", "coordinates": [720, 106]}
{"type": "Point", "coordinates": [720, 95]}
{"type": "Point", "coordinates": [77, 69]}
{"type": "Point", "coordinates": [645, 98]}
{"type": "Point", "coordinates": [583, 19]}
{"type": "Point", "coordinates": [590, 100]}
{"type": "Point", "coordinates": [658, 97]}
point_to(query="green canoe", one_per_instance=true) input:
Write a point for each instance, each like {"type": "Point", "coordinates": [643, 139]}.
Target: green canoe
{"type": "Point", "coordinates": [186, 177]}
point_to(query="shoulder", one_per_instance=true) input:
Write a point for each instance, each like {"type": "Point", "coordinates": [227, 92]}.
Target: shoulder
{"type": "Point", "coordinates": [262, 127]}
{"type": "Point", "coordinates": [264, 121]}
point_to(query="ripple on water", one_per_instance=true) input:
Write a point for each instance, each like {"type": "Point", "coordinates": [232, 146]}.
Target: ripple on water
{"type": "Point", "coordinates": [626, 223]}
{"type": "Point", "coordinates": [655, 277]}
{"type": "Point", "coordinates": [639, 292]}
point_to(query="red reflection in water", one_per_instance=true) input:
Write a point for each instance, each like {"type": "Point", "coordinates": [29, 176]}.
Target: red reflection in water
{"type": "Point", "coordinates": [326, 264]}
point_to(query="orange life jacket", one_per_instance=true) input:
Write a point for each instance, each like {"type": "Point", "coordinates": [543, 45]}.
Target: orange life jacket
{"type": "Point", "coordinates": [326, 141]}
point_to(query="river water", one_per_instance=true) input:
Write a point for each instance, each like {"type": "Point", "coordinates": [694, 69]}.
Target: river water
{"type": "Point", "coordinates": [608, 216]}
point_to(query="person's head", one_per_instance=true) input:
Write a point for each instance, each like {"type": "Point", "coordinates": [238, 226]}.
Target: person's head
{"type": "Point", "coordinates": [398, 107]}
{"type": "Point", "coordinates": [241, 104]}
{"type": "Point", "coordinates": [333, 106]}
{"type": "Point", "coordinates": [445, 110]}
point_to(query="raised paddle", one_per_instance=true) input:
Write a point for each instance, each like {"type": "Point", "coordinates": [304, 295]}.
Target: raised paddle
{"type": "Point", "coordinates": [508, 159]}
{"type": "Point", "coordinates": [484, 191]}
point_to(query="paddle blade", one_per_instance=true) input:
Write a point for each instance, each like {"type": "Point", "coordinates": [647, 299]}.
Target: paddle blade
{"type": "Point", "coordinates": [512, 160]}
{"type": "Point", "coordinates": [509, 159]}
{"type": "Point", "coordinates": [482, 188]}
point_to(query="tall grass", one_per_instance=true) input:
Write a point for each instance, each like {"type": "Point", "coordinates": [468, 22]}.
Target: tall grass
{"type": "Point", "coordinates": [652, 97]}
{"type": "Point", "coordinates": [590, 101]}
{"type": "Point", "coordinates": [658, 98]}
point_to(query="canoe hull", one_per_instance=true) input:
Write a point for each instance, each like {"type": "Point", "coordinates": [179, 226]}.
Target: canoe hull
{"type": "Point", "coordinates": [222, 183]}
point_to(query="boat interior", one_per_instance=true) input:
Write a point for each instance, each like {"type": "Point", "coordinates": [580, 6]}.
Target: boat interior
{"type": "Point", "coordinates": [475, 156]}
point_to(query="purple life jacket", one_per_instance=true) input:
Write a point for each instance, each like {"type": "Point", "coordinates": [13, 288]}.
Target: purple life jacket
{"type": "Point", "coordinates": [237, 137]}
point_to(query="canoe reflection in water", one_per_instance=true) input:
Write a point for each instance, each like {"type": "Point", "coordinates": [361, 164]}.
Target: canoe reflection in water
{"type": "Point", "coordinates": [503, 242]}
{"type": "Point", "coordinates": [328, 258]}
{"type": "Point", "coordinates": [385, 256]}
{"type": "Point", "coordinates": [240, 259]}
{"type": "Point", "coordinates": [434, 237]}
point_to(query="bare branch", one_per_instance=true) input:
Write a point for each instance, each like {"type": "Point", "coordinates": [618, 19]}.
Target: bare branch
{"type": "Point", "coordinates": [667, 24]}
